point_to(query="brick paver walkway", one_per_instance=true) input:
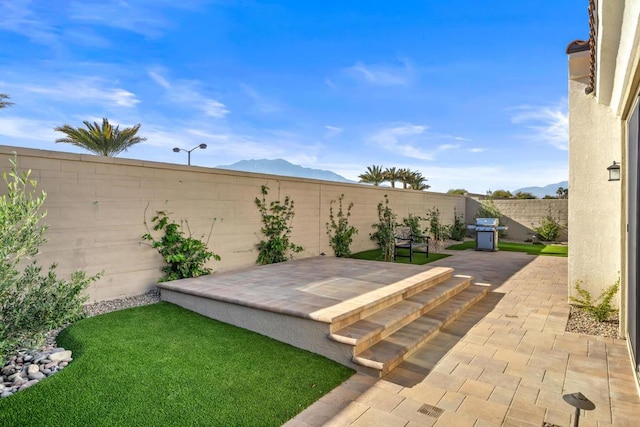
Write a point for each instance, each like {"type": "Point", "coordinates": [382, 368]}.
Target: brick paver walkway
{"type": "Point", "coordinates": [507, 361]}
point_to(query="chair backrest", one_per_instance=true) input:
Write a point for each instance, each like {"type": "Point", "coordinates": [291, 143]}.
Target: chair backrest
{"type": "Point", "coordinates": [402, 233]}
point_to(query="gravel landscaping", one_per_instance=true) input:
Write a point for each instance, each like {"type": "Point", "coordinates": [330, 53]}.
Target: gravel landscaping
{"type": "Point", "coordinates": [581, 322]}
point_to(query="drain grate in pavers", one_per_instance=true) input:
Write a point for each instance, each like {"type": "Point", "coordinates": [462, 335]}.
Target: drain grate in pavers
{"type": "Point", "coordinates": [430, 410]}
{"type": "Point", "coordinates": [512, 316]}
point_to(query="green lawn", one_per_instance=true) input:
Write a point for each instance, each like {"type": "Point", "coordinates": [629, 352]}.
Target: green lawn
{"type": "Point", "coordinates": [419, 258]}
{"type": "Point", "coordinates": [162, 365]}
{"type": "Point", "coordinates": [551, 250]}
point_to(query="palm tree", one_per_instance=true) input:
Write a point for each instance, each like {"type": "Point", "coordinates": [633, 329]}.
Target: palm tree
{"type": "Point", "coordinates": [391, 175]}
{"type": "Point", "coordinates": [562, 193]}
{"type": "Point", "coordinates": [373, 175]}
{"type": "Point", "coordinates": [417, 182]}
{"type": "Point", "coordinates": [103, 140]}
{"type": "Point", "coordinates": [404, 175]}
{"type": "Point", "coordinates": [3, 103]}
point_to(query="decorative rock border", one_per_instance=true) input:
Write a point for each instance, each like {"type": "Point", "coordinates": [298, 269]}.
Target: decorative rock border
{"type": "Point", "coordinates": [30, 366]}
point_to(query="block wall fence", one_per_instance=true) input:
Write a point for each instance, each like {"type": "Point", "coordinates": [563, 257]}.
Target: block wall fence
{"type": "Point", "coordinates": [96, 210]}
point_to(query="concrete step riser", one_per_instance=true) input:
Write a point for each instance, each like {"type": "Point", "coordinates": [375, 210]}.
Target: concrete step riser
{"type": "Point", "coordinates": [450, 319]}
{"type": "Point", "coordinates": [370, 341]}
{"type": "Point", "coordinates": [388, 301]}
{"type": "Point", "coordinates": [441, 320]}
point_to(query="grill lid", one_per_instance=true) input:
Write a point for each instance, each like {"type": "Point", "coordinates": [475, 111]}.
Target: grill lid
{"type": "Point", "coordinates": [487, 222]}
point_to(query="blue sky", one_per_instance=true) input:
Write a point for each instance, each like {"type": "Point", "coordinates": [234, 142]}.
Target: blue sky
{"type": "Point", "coordinates": [473, 94]}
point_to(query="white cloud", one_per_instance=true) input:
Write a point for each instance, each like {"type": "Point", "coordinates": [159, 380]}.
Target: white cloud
{"type": "Point", "coordinates": [18, 16]}
{"type": "Point", "coordinates": [477, 150]}
{"type": "Point", "coordinates": [27, 129]}
{"type": "Point", "coordinates": [381, 74]}
{"type": "Point", "coordinates": [409, 140]}
{"type": "Point", "coordinates": [89, 89]}
{"type": "Point", "coordinates": [214, 108]}
{"type": "Point", "coordinates": [159, 79]}
{"type": "Point", "coordinates": [549, 125]}
{"type": "Point", "coordinates": [332, 131]}
{"type": "Point", "coordinates": [187, 93]}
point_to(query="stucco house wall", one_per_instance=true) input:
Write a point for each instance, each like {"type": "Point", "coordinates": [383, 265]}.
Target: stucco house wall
{"type": "Point", "coordinates": [604, 86]}
{"type": "Point", "coordinates": [594, 201]}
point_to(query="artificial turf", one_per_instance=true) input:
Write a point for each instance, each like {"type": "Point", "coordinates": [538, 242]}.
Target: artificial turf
{"type": "Point", "coordinates": [162, 365]}
{"type": "Point", "coordinates": [551, 250]}
{"type": "Point", "coordinates": [419, 258]}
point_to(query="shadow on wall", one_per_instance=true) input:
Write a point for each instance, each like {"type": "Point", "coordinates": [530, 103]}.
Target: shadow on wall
{"type": "Point", "coordinates": [523, 215]}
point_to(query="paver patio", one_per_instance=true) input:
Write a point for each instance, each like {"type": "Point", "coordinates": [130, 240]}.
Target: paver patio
{"type": "Point", "coordinates": [506, 361]}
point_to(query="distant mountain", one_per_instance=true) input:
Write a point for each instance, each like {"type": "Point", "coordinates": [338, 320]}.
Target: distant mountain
{"type": "Point", "coordinates": [282, 167]}
{"type": "Point", "coordinates": [547, 190]}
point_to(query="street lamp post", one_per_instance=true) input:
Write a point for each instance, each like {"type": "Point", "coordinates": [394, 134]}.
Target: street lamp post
{"type": "Point", "coordinates": [177, 150]}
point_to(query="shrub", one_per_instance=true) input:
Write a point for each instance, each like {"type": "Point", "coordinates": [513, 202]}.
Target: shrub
{"type": "Point", "coordinates": [457, 230]}
{"type": "Point", "coordinates": [276, 220]}
{"type": "Point", "coordinates": [413, 222]}
{"type": "Point", "coordinates": [549, 228]}
{"type": "Point", "coordinates": [184, 256]}
{"type": "Point", "coordinates": [32, 302]}
{"type": "Point", "coordinates": [438, 231]}
{"type": "Point", "coordinates": [601, 310]}
{"type": "Point", "coordinates": [338, 229]}
{"type": "Point", "coordinates": [385, 229]}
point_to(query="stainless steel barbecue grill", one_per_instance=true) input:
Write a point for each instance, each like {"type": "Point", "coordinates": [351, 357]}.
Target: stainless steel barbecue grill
{"type": "Point", "coordinates": [487, 233]}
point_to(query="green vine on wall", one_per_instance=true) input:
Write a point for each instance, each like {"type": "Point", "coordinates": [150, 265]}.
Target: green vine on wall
{"type": "Point", "coordinates": [276, 218]}
{"type": "Point", "coordinates": [185, 257]}
{"type": "Point", "coordinates": [338, 229]}
{"type": "Point", "coordinates": [385, 230]}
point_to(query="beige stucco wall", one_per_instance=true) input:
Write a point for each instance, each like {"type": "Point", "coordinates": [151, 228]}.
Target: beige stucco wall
{"type": "Point", "coordinates": [96, 208]}
{"type": "Point", "coordinates": [522, 216]}
{"type": "Point", "coordinates": [594, 202]}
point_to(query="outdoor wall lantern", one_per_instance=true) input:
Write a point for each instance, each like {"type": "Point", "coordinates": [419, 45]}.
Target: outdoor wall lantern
{"type": "Point", "coordinates": [201, 146]}
{"type": "Point", "coordinates": [614, 171]}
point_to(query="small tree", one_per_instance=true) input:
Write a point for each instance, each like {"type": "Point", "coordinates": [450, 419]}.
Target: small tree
{"type": "Point", "coordinates": [32, 302]}
{"type": "Point", "coordinates": [385, 229]}
{"type": "Point", "coordinates": [276, 220]}
{"type": "Point", "coordinates": [501, 194]}
{"type": "Point", "coordinates": [185, 257]}
{"type": "Point", "coordinates": [549, 228]}
{"type": "Point", "coordinates": [338, 229]}
{"type": "Point", "coordinates": [524, 195]}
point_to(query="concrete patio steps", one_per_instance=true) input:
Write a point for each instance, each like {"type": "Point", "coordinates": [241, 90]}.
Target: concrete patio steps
{"type": "Point", "coordinates": [354, 309]}
{"type": "Point", "coordinates": [387, 353]}
{"type": "Point", "coordinates": [392, 350]}
{"type": "Point", "coordinates": [368, 331]}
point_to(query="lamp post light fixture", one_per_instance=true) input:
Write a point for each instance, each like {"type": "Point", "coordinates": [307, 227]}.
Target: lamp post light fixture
{"type": "Point", "coordinates": [177, 150]}
{"type": "Point", "coordinates": [614, 171]}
